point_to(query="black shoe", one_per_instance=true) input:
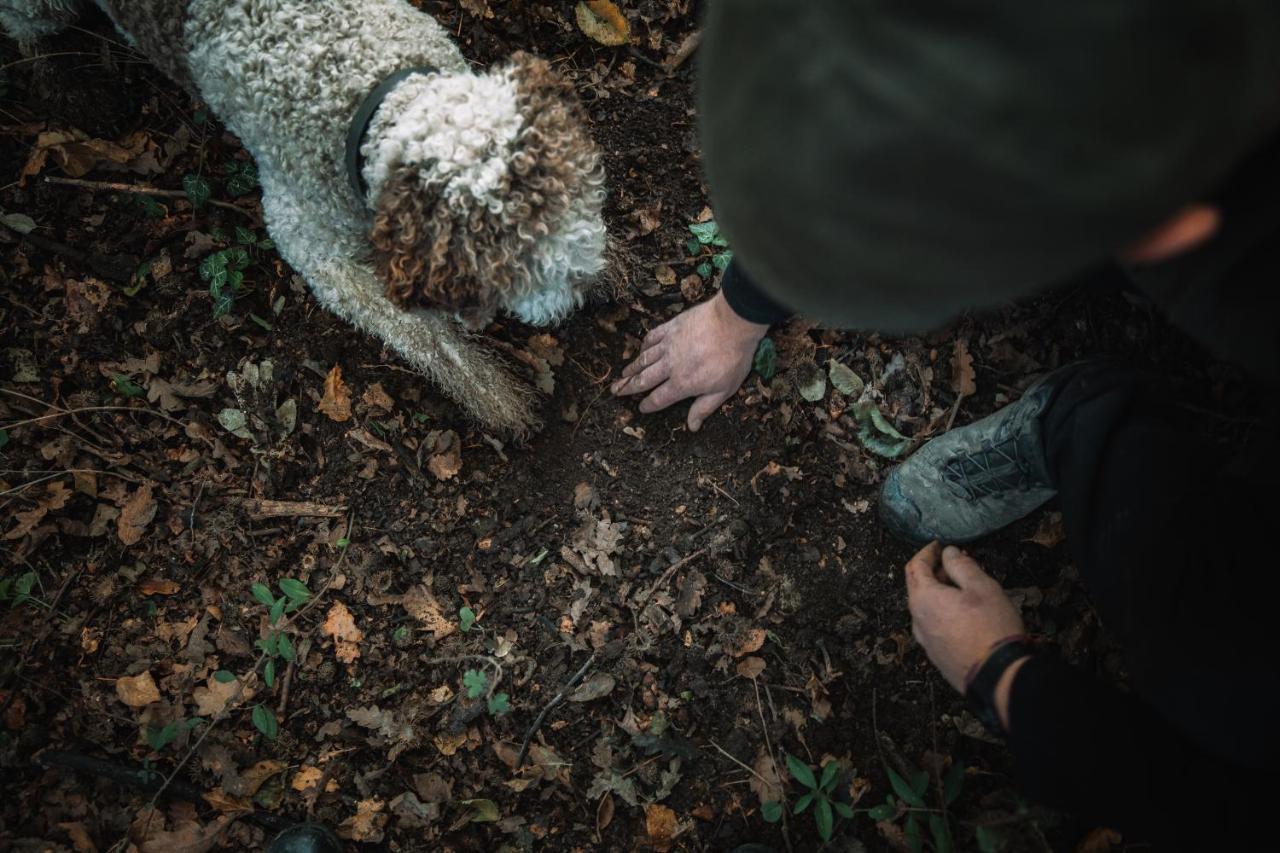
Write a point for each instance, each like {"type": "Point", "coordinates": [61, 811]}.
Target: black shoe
{"type": "Point", "coordinates": [305, 838]}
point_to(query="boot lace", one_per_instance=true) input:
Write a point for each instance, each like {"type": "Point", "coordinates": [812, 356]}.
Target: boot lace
{"type": "Point", "coordinates": [997, 467]}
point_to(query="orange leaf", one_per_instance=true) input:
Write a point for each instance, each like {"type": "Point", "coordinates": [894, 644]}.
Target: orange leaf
{"type": "Point", "coordinates": [336, 402]}
{"type": "Point", "coordinates": [660, 824]}
{"type": "Point", "coordinates": [137, 691]}
{"type": "Point", "coordinates": [962, 375]}
{"type": "Point", "coordinates": [135, 515]}
{"type": "Point", "coordinates": [601, 20]}
{"type": "Point", "coordinates": [341, 625]}
{"type": "Point", "coordinates": [158, 586]}
{"type": "Point", "coordinates": [749, 642]}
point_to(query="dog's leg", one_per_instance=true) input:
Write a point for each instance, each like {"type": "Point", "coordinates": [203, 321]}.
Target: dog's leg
{"type": "Point", "coordinates": [28, 21]}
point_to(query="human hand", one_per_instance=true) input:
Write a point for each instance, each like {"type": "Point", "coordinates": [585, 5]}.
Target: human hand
{"type": "Point", "coordinates": [958, 612]}
{"type": "Point", "coordinates": [704, 352]}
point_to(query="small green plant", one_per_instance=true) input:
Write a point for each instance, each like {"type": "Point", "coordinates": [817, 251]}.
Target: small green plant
{"type": "Point", "coordinates": [708, 244]}
{"type": "Point", "coordinates": [910, 801]}
{"type": "Point", "coordinates": [125, 386]}
{"type": "Point", "coordinates": [151, 208]}
{"type": "Point", "coordinates": [158, 739]}
{"type": "Point", "coordinates": [819, 793]}
{"type": "Point", "coordinates": [224, 269]}
{"type": "Point", "coordinates": [17, 590]}
{"type": "Point", "coordinates": [197, 189]}
{"type": "Point", "coordinates": [276, 645]}
{"type": "Point", "coordinates": [241, 177]}
{"type": "Point", "coordinates": [466, 619]}
{"type": "Point", "coordinates": [476, 682]}
{"type": "Point", "coordinates": [765, 361]}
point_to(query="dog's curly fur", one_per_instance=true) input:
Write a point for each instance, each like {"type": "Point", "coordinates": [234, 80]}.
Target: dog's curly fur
{"type": "Point", "coordinates": [465, 253]}
{"type": "Point", "coordinates": [485, 189]}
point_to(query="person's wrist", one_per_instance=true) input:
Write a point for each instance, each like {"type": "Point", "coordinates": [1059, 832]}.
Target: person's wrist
{"type": "Point", "coordinates": [1004, 690]}
{"type": "Point", "coordinates": [740, 327]}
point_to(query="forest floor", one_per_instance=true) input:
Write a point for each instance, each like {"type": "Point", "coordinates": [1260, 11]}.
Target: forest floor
{"type": "Point", "coordinates": [724, 598]}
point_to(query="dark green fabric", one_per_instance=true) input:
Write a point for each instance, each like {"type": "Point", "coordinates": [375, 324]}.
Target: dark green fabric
{"type": "Point", "coordinates": [886, 164]}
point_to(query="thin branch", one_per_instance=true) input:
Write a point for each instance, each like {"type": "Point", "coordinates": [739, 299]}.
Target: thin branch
{"type": "Point", "coordinates": [114, 186]}
{"type": "Point", "coordinates": [555, 700]}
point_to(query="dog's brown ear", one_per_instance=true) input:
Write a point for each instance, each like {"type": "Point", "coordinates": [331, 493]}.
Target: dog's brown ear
{"type": "Point", "coordinates": [426, 253]}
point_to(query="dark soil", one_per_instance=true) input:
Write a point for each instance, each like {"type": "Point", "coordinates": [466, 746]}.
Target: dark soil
{"type": "Point", "coordinates": [562, 546]}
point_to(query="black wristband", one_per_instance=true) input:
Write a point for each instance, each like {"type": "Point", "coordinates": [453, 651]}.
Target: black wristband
{"type": "Point", "coordinates": [981, 693]}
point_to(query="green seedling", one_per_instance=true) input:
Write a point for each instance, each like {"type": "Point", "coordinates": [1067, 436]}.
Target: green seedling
{"type": "Point", "coordinates": [17, 590]}
{"type": "Point", "coordinates": [242, 177]}
{"type": "Point", "coordinates": [910, 801]}
{"type": "Point", "coordinates": [276, 645]}
{"type": "Point", "coordinates": [466, 619]}
{"type": "Point", "coordinates": [765, 361]}
{"type": "Point", "coordinates": [476, 683]}
{"type": "Point", "coordinates": [710, 246]}
{"type": "Point", "coordinates": [224, 269]}
{"type": "Point", "coordinates": [819, 794]}
{"type": "Point", "coordinates": [125, 386]}
{"type": "Point", "coordinates": [158, 739]}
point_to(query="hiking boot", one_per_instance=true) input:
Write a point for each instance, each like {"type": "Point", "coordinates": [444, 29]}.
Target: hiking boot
{"type": "Point", "coordinates": [305, 838]}
{"type": "Point", "coordinates": [976, 479]}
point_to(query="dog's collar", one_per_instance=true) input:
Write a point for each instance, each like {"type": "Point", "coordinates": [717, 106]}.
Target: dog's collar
{"type": "Point", "coordinates": [360, 126]}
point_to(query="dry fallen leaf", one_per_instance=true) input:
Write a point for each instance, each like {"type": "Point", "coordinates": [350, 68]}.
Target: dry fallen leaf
{"type": "Point", "coordinates": [766, 781]}
{"type": "Point", "coordinates": [602, 22]}
{"type": "Point", "coordinates": [256, 776]}
{"type": "Point", "coordinates": [137, 691]}
{"type": "Point", "coordinates": [376, 398]}
{"type": "Point", "coordinates": [135, 515]}
{"type": "Point", "coordinates": [660, 824]}
{"type": "Point", "coordinates": [962, 375]}
{"type": "Point", "coordinates": [158, 586]}
{"type": "Point", "coordinates": [749, 642]}
{"type": "Point", "coordinates": [1099, 840]}
{"type": "Point", "coordinates": [336, 402]}
{"type": "Point", "coordinates": [599, 685]}
{"type": "Point", "coordinates": [751, 667]}
{"type": "Point", "coordinates": [340, 625]}
{"type": "Point", "coordinates": [306, 778]}
{"type": "Point", "coordinates": [212, 697]}
{"type": "Point", "coordinates": [79, 837]}
{"type": "Point", "coordinates": [447, 461]}
{"type": "Point", "coordinates": [1050, 533]}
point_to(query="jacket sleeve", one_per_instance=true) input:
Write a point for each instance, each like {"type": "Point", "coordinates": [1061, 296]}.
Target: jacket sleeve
{"type": "Point", "coordinates": [747, 300]}
{"type": "Point", "coordinates": [1111, 760]}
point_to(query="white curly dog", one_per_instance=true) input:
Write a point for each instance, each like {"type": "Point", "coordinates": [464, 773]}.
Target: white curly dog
{"type": "Point", "coordinates": [415, 196]}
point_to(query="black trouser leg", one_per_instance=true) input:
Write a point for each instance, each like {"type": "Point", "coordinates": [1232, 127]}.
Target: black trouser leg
{"type": "Point", "coordinates": [1176, 546]}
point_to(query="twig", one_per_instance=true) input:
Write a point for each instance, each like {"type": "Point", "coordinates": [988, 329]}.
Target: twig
{"type": "Point", "coordinates": [666, 576]}
{"type": "Point", "coordinates": [730, 756]}
{"type": "Point", "coordinates": [684, 51]}
{"type": "Point", "coordinates": [138, 410]}
{"type": "Point", "coordinates": [139, 190]}
{"type": "Point", "coordinates": [53, 475]}
{"type": "Point", "coordinates": [555, 700]}
{"type": "Point", "coordinates": [764, 727]}
{"type": "Point", "coordinates": [261, 509]}
{"type": "Point", "coordinates": [284, 689]}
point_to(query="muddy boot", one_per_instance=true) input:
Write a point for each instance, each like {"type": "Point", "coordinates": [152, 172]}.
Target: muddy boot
{"type": "Point", "coordinates": [979, 478]}
{"type": "Point", "coordinates": [305, 838]}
